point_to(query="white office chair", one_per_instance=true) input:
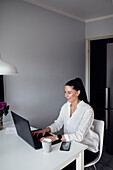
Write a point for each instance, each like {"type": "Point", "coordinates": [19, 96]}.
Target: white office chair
{"type": "Point", "coordinates": [99, 129]}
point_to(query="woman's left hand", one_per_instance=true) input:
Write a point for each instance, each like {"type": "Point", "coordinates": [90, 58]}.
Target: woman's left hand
{"type": "Point", "coordinates": [53, 138]}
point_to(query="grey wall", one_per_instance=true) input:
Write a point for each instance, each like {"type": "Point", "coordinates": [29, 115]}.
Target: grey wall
{"type": "Point", "coordinates": [48, 50]}
{"type": "Point", "coordinates": [99, 28]}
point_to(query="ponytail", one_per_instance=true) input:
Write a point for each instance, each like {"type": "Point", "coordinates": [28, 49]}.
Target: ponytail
{"type": "Point", "coordinates": [78, 85]}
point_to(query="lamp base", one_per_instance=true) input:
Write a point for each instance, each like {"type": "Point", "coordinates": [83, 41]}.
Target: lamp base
{"type": "Point", "coordinates": [1, 89]}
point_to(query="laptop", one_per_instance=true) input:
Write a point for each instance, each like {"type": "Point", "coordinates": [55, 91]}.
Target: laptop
{"type": "Point", "coordinates": [23, 130]}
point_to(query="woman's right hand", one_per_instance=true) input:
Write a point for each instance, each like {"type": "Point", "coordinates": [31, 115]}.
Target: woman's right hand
{"type": "Point", "coordinates": [41, 131]}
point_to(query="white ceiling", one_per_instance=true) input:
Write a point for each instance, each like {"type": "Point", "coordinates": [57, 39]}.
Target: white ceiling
{"type": "Point", "coordinates": [84, 10]}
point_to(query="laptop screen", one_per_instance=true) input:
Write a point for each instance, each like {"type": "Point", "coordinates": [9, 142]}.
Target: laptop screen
{"type": "Point", "coordinates": [23, 128]}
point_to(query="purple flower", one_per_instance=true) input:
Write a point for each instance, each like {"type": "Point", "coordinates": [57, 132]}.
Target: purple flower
{"type": "Point", "coordinates": [3, 108]}
{"type": "Point", "coordinates": [2, 105]}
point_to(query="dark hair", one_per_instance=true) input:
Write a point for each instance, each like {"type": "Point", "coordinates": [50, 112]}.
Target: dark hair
{"type": "Point", "coordinates": [78, 85]}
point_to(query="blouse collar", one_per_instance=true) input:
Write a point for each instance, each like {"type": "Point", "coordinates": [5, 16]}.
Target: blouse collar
{"type": "Point", "coordinates": [78, 105]}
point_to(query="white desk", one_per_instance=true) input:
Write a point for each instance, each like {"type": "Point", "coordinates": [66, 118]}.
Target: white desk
{"type": "Point", "coordinates": [16, 154]}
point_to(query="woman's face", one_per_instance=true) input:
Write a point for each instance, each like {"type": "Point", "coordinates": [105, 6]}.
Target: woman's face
{"type": "Point", "coordinates": [71, 94]}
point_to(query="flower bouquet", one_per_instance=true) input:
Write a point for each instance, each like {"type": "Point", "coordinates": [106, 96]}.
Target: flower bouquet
{"type": "Point", "coordinates": [4, 109]}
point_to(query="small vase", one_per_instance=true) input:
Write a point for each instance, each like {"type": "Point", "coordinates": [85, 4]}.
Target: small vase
{"type": "Point", "coordinates": [1, 122]}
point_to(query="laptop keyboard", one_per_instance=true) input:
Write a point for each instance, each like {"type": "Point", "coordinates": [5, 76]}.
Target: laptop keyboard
{"type": "Point", "coordinates": [37, 139]}
{"type": "Point", "coordinates": [40, 136]}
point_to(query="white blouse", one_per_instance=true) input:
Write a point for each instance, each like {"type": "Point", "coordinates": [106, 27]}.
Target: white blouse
{"type": "Point", "coordinates": [79, 127]}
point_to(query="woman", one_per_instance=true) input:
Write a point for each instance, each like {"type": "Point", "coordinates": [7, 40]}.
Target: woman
{"type": "Point", "coordinates": [77, 117]}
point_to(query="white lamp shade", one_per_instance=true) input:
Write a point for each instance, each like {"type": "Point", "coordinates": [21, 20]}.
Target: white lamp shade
{"type": "Point", "coordinates": [7, 69]}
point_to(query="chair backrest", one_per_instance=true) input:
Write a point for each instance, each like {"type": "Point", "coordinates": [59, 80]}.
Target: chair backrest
{"type": "Point", "coordinates": [99, 129]}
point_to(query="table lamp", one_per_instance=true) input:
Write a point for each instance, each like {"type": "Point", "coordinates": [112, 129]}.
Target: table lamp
{"type": "Point", "coordinates": [5, 69]}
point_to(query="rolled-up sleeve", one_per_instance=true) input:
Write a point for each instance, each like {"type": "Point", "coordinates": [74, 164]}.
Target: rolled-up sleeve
{"type": "Point", "coordinates": [58, 124]}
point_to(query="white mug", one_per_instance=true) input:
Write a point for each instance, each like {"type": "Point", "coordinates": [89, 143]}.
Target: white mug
{"type": "Point", "coordinates": [46, 144]}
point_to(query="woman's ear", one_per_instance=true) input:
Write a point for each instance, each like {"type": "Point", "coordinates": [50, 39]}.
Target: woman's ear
{"type": "Point", "coordinates": [78, 92]}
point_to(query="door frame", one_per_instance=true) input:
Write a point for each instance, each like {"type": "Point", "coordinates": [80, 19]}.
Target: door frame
{"type": "Point", "coordinates": [87, 62]}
